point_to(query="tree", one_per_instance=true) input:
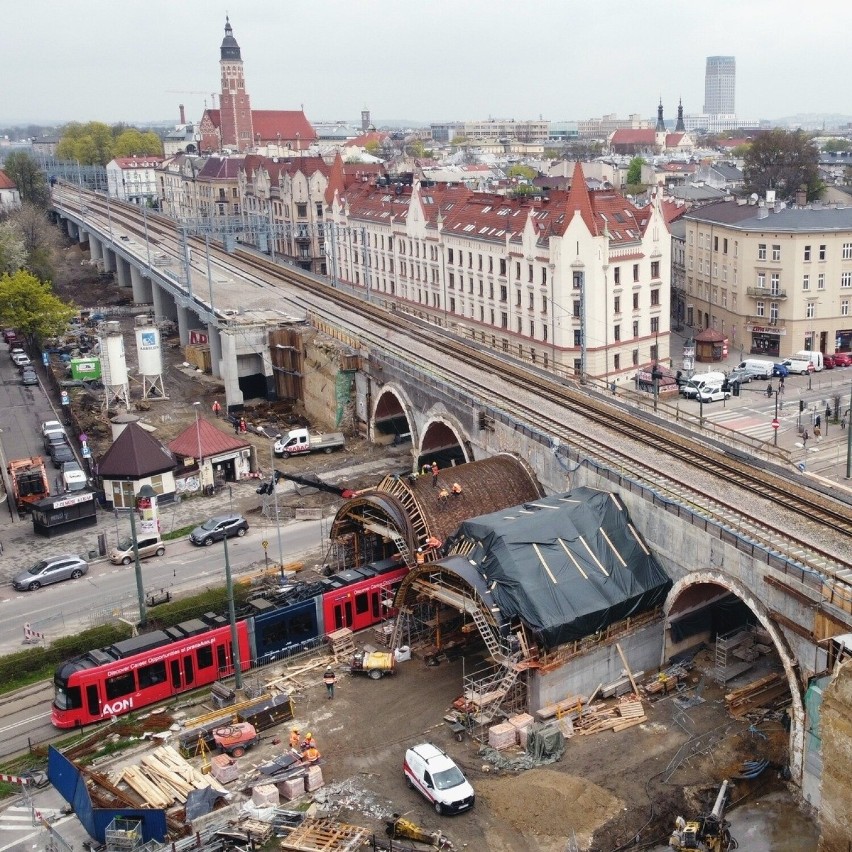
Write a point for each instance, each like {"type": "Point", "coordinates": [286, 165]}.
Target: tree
{"type": "Point", "coordinates": [28, 177]}
{"type": "Point", "coordinates": [133, 142]}
{"type": "Point", "coordinates": [91, 144]}
{"type": "Point", "coordinates": [372, 148]}
{"type": "Point", "coordinates": [634, 171]}
{"type": "Point", "coordinates": [739, 151]}
{"type": "Point", "coordinates": [41, 240]}
{"type": "Point", "coordinates": [783, 162]}
{"type": "Point", "coordinates": [13, 254]}
{"type": "Point", "coordinates": [26, 303]}
{"type": "Point", "coordinates": [519, 170]}
{"type": "Point", "coordinates": [835, 145]}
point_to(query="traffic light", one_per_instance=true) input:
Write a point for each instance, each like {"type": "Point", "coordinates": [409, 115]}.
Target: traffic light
{"type": "Point", "coordinates": [726, 385]}
{"type": "Point", "coordinates": [736, 389]}
{"type": "Point", "coordinates": [801, 406]}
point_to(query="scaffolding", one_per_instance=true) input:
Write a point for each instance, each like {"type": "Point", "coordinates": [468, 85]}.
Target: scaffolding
{"type": "Point", "coordinates": [125, 835]}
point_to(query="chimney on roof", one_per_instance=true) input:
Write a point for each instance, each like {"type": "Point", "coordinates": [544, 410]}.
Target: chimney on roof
{"type": "Point", "coordinates": [182, 115]}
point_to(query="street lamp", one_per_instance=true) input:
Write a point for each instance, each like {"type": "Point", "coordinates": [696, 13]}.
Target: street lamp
{"type": "Point", "coordinates": [275, 506]}
{"type": "Point", "coordinates": [198, 454]}
{"type": "Point", "coordinates": [145, 492]}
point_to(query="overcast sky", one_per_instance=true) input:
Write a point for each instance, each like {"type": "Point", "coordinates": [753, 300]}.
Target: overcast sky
{"type": "Point", "coordinates": [112, 60]}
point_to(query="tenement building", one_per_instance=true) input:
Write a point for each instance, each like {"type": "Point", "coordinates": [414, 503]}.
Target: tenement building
{"type": "Point", "coordinates": [574, 281]}
{"type": "Point", "coordinates": [774, 279]}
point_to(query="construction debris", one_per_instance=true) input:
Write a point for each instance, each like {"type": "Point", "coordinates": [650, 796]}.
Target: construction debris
{"type": "Point", "coordinates": [769, 691]}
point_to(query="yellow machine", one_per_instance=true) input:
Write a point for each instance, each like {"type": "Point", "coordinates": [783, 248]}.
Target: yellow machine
{"type": "Point", "coordinates": [400, 828]}
{"type": "Point", "coordinates": [708, 833]}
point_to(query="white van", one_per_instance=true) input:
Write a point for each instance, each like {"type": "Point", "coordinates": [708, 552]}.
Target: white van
{"type": "Point", "coordinates": [699, 381]}
{"type": "Point", "coordinates": [796, 364]}
{"type": "Point", "coordinates": [814, 357]}
{"type": "Point", "coordinates": [753, 368]}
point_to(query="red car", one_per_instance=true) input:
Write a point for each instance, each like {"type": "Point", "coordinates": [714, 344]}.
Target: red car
{"type": "Point", "coordinates": [828, 362]}
{"type": "Point", "coordinates": [842, 359]}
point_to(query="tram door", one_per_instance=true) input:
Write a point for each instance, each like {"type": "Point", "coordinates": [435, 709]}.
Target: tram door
{"type": "Point", "coordinates": [176, 678]}
{"type": "Point", "coordinates": [94, 704]}
{"type": "Point", "coordinates": [342, 615]}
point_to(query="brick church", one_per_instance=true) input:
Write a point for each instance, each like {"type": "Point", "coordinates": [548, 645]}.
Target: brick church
{"type": "Point", "coordinates": [236, 126]}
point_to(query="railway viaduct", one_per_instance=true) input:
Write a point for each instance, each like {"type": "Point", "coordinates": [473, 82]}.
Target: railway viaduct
{"type": "Point", "coordinates": [708, 559]}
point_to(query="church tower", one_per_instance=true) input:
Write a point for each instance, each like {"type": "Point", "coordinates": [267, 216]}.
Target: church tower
{"type": "Point", "coordinates": [680, 127]}
{"type": "Point", "coordinates": [660, 131]}
{"type": "Point", "coordinates": [234, 102]}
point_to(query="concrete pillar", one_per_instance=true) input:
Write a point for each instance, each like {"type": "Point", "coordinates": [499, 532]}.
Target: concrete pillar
{"type": "Point", "coordinates": [230, 374]}
{"type": "Point", "coordinates": [109, 259]}
{"type": "Point", "coordinates": [141, 286]}
{"type": "Point", "coordinates": [157, 300]}
{"type": "Point", "coordinates": [123, 269]}
{"type": "Point", "coordinates": [82, 235]}
{"type": "Point", "coordinates": [96, 248]}
{"type": "Point", "coordinates": [215, 349]}
{"type": "Point", "coordinates": [183, 324]}
{"type": "Point", "coordinates": [71, 229]}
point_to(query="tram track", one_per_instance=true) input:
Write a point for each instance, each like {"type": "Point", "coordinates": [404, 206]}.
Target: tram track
{"type": "Point", "coordinates": [600, 414]}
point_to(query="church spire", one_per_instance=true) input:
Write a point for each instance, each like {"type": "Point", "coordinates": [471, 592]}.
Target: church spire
{"type": "Point", "coordinates": [680, 127]}
{"type": "Point", "coordinates": [661, 125]}
{"type": "Point", "coordinates": [230, 50]}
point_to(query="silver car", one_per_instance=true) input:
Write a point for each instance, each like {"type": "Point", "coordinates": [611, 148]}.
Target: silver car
{"type": "Point", "coordinates": [50, 570]}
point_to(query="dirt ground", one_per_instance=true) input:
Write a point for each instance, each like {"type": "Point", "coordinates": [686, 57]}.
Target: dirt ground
{"type": "Point", "coordinates": [605, 791]}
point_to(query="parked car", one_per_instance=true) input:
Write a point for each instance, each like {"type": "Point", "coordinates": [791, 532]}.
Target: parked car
{"type": "Point", "coordinates": [780, 370]}
{"type": "Point", "coordinates": [28, 377]}
{"type": "Point", "coordinates": [713, 393]}
{"type": "Point", "coordinates": [50, 570]}
{"type": "Point", "coordinates": [150, 546]}
{"type": "Point", "coordinates": [61, 454]}
{"type": "Point", "coordinates": [797, 365]}
{"type": "Point", "coordinates": [73, 476]}
{"type": "Point", "coordinates": [16, 349]}
{"type": "Point", "coordinates": [218, 528]}
{"type": "Point", "coordinates": [842, 359]}
{"type": "Point", "coordinates": [51, 438]}
{"type": "Point", "coordinates": [436, 776]}
{"type": "Point", "coordinates": [21, 360]}
{"type": "Point", "coordinates": [51, 426]}
{"type": "Point", "coordinates": [9, 334]}
{"type": "Point", "coordinates": [828, 362]}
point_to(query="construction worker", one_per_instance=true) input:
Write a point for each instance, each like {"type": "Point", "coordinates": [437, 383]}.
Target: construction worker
{"type": "Point", "coordinates": [217, 408]}
{"type": "Point", "coordinates": [329, 679]}
{"type": "Point", "coordinates": [434, 474]}
{"type": "Point", "coordinates": [295, 744]}
{"type": "Point", "coordinates": [457, 489]}
{"type": "Point", "coordinates": [310, 754]}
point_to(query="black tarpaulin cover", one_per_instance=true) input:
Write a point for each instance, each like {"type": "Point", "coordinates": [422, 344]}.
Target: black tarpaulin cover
{"type": "Point", "coordinates": [567, 565]}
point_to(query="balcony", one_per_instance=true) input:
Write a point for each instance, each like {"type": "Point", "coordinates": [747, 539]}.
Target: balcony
{"type": "Point", "coordinates": [774, 295]}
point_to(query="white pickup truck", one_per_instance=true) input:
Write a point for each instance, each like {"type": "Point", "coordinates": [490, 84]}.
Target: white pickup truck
{"type": "Point", "coordinates": [300, 441]}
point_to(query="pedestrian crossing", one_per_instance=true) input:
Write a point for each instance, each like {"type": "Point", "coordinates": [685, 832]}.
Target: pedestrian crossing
{"type": "Point", "coordinates": [744, 421]}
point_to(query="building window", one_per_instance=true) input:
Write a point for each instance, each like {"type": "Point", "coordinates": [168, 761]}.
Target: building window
{"type": "Point", "coordinates": [617, 305]}
{"type": "Point", "coordinates": [655, 269]}
{"type": "Point", "coordinates": [846, 279]}
{"type": "Point", "coordinates": [806, 282]}
{"type": "Point", "coordinates": [616, 275]}
{"type": "Point", "coordinates": [530, 272]}
{"type": "Point", "coordinates": [636, 328]}
{"type": "Point", "coordinates": [504, 320]}
{"type": "Point", "coordinates": [544, 304]}
{"type": "Point", "coordinates": [655, 325]}
{"type": "Point", "coordinates": [821, 281]}
{"type": "Point", "coordinates": [504, 293]}
{"type": "Point", "coordinates": [773, 313]}
{"type": "Point", "coordinates": [811, 310]}
{"type": "Point", "coordinates": [725, 246]}
{"type": "Point", "coordinates": [532, 301]}
{"type": "Point", "coordinates": [760, 309]}
{"type": "Point", "coordinates": [654, 355]}
{"type": "Point", "coordinates": [844, 307]}
{"type": "Point", "coordinates": [822, 252]}
{"type": "Point", "coordinates": [807, 254]}
{"type": "Point", "coordinates": [577, 279]}
{"type": "Point", "coordinates": [578, 337]}
{"type": "Point", "coordinates": [761, 280]}
{"type": "Point", "coordinates": [479, 261]}
{"type": "Point", "coordinates": [635, 301]}
{"type": "Point", "coordinates": [847, 251]}
{"type": "Point", "coordinates": [635, 357]}
{"type": "Point", "coordinates": [635, 271]}
{"type": "Point", "coordinates": [302, 211]}
{"type": "Point", "coordinates": [616, 333]}
{"type": "Point", "coordinates": [761, 251]}
{"type": "Point", "coordinates": [532, 328]}
{"type": "Point", "coordinates": [715, 244]}
{"type": "Point", "coordinates": [775, 283]}
{"type": "Point", "coordinates": [655, 297]}
{"type": "Point", "coordinates": [449, 255]}
{"type": "Point", "coordinates": [502, 266]}
{"type": "Point", "coordinates": [616, 362]}
{"type": "Point", "coordinates": [576, 309]}
{"type": "Point", "coordinates": [776, 252]}
{"type": "Point", "coordinates": [452, 281]}
{"type": "Point", "coordinates": [517, 270]}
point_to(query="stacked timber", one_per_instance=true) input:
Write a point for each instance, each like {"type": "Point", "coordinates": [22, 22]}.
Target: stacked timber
{"type": "Point", "coordinates": [666, 681]}
{"type": "Point", "coordinates": [763, 692]}
{"type": "Point", "coordinates": [596, 718]}
{"type": "Point", "coordinates": [573, 703]}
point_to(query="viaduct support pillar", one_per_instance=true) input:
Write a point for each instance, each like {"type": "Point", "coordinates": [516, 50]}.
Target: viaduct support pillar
{"type": "Point", "coordinates": [183, 324]}
{"type": "Point", "coordinates": [96, 248]}
{"type": "Point", "coordinates": [157, 300]}
{"type": "Point", "coordinates": [141, 286]}
{"type": "Point", "coordinates": [230, 375]}
{"type": "Point", "coordinates": [215, 342]}
{"type": "Point", "coordinates": [109, 259]}
{"type": "Point", "coordinates": [123, 269]}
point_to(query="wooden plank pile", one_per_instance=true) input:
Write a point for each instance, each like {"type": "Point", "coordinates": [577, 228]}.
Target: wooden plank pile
{"type": "Point", "coordinates": [256, 829]}
{"type": "Point", "coordinates": [763, 692]}
{"type": "Point", "coordinates": [598, 717]}
{"type": "Point", "coordinates": [163, 777]}
{"type": "Point", "coordinates": [326, 835]}
{"type": "Point", "coordinates": [566, 705]}
{"type": "Point", "coordinates": [666, 681]}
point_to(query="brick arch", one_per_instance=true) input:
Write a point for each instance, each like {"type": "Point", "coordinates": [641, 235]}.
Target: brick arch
{"type": "Point", "coordinates": [383, 405]}
{"type": "Point", "coordinates": [438, 429]}
{"type": "Point", "coordinates": [788, 659]}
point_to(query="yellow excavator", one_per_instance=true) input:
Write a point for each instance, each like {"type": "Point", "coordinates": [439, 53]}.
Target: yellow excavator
{"type": "Point", "coordinates": [708, 833]}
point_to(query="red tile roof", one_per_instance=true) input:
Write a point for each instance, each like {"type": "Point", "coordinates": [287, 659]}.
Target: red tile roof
{"type": "Point", "coordinates": [6, 182]}
{"type": "Point", "coordinates": [214, 441]}
{"type": "Point", "coordinates": [336, 180]}
{"type": "Point", "coordinates": [277, 166]}
{"type": "Point", "coordinates": [269, 124]}
{"type": "Point", "coordinates": [579, 199]}
{"type": "Point", "coordinates": [221, 168]}
{"type": "Point", "coordinates": [634, 137]}
{"type": "Point", "coordinates": [138, 162]}
{"type": "Point", "coordinates": [374, 136]}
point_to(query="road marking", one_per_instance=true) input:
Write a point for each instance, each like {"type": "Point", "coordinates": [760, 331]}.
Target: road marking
{"type": "Point", "coordinates": [24, 722]}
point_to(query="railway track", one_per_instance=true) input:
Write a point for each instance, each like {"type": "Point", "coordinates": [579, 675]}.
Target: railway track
{"type": "Point", "coordinates": [501, 381]}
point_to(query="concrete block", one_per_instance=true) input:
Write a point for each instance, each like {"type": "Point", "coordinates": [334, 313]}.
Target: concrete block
{"type": "Point", "coordinates": [265, 795]}
{"type": "Point", "coordinates": [314, 779]}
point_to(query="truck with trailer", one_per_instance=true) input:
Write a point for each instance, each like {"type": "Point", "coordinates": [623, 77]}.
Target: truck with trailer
{"type": "Point", "coordinates": [29, 481]}
{"type": "Point", "coordinates": [303, 441]}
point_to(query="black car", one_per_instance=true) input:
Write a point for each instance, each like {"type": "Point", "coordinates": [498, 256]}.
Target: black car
{"type": "Point", "coordinates": [53, 438]}
{"type": "Point", "coordinates": [61, 453]}
{"type": "Point", "coordinates": [218, 528]}
{"type": "Point", "coordinates": [28, 377]}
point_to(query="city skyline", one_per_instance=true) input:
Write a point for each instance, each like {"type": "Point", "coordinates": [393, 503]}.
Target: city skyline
{"type": "Point", "coordinates": [435, 62]}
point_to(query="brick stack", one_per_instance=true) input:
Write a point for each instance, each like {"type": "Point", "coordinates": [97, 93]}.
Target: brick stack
{"type": "Point", "coordinates": [293, 788]}
{"type": "Point", "coordinates": [265, 794]}
{"type": "Point", "coordinates": [224, 768]}
{"type": "Point", "coordinates": [314, 780]}
{"type": "Point", "coordinates": [502, 736]}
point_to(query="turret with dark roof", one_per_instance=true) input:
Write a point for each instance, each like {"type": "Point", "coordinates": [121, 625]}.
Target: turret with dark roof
{"type": "Point", "coordinates": [680, 127]}
{"type": "Point", "coordinates": [661, 125]}
{"type": "Point", "coordinates": [230, 50]}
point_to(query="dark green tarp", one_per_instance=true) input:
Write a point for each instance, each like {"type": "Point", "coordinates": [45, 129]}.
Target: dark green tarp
{"type": "Point", "coordinates": [567, 566]}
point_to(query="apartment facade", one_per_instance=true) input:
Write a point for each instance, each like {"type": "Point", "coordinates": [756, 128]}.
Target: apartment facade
{"type": "Point", "coordinates": [574, 282]}
{"type": "Point", "coordinates": [775, 280]}
{"type": "Point", "coordinates": [133, 179]}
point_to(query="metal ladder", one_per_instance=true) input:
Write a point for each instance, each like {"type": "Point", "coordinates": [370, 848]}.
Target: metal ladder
{"type": "Point", "coordinates": [497, 651]}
